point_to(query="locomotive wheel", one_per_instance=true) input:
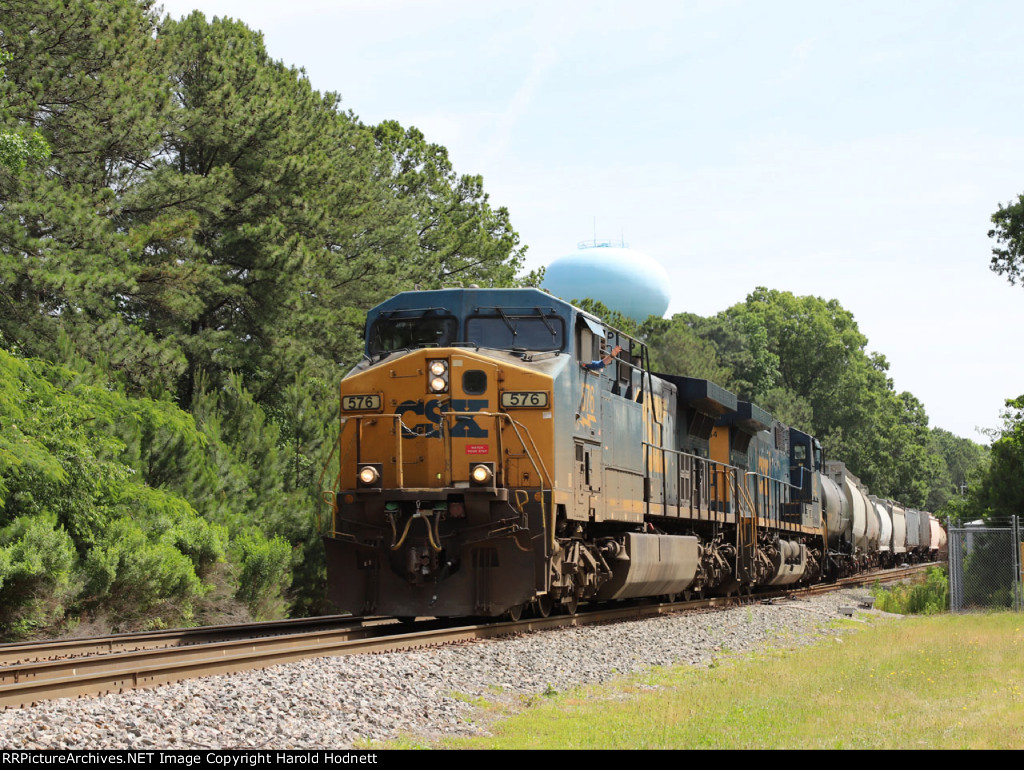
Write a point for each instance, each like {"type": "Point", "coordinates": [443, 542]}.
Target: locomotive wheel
{"type": "Point", "coordinates": [515, 612]}
{"type": "Point", "coordinates": [572, 605]}
{"type": "Point", "coordinates": [544, 605]}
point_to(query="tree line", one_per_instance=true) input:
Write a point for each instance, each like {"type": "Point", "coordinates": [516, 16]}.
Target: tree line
{"type": "Point", "coordinates": [190, 235]}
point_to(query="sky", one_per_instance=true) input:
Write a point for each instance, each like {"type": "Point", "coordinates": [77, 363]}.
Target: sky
{"type": "Point", "coordinates": [847, 150]}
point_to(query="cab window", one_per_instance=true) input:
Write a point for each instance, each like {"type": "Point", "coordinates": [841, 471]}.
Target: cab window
{"type": "Point", "coordinates": [516, 332]}
{"type": "Point", "coordinates": [389, 334]}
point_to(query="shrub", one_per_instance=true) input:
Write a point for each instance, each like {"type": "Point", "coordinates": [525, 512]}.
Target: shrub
{"type": "Point", "coordinates": [263, 572]}
{"type": "Point", "coordinates": [36, 561]}
{"type": "Point", "coordinates": [928, 598]}
{"type": "Point", "coordinates": [135, 579]}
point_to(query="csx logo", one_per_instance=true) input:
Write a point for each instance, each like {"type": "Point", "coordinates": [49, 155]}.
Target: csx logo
{"type": "Point", "coordinates": [461, 427]}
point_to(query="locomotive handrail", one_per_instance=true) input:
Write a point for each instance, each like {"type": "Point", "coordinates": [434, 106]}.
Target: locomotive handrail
{"type": "Point", "coordinates": [541, 470]}
{"type": "Point", "coordinates": [538, 464]}
{"type": "Point", "coordinates": [746, 527]}
{"type": "Point", "coordinates": [715, 467]}
{"type": "Point", "coordinates": [772, 478]}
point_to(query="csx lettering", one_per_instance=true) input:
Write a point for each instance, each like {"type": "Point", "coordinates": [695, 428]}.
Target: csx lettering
{"type": "Point", "coordinates": [432, 411]}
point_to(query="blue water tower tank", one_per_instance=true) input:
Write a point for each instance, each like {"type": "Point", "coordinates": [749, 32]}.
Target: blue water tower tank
{"type": "Point", "coordinates": [622, 278]}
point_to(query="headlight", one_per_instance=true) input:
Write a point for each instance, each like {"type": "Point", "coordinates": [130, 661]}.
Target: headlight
{"type": "Point", "coordinates": [437, 377]}
{"type": "Point", "coordinates": [481, 474]}
{"type": "Point", "coordinates": [369, 476]}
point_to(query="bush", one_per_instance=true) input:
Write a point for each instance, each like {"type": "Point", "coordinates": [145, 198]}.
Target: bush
{"type": "Point", "coordinates": [928, 598]}
{"type": "Point", "coordinates": [36, 561]}
{"type": "Point", "coordinates": [200, 541]}
{"type": "Point", "coordinates": [136, 580]}
{"type": "Point", "coordinates": [263, 572]}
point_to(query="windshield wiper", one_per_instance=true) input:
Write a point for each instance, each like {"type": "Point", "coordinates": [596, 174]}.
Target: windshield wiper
{"type": "Point", "coordinates": [545, 320]}
{"type": "Point", "coordinates": [508, 322]}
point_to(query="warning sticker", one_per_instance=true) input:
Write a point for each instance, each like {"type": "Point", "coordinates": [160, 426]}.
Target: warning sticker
{"type": "Point", "coordinates": [477, 449]}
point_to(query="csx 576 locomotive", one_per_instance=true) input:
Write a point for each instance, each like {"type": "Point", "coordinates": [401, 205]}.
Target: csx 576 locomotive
{"type": "Point", "coordinates": [486, 467]}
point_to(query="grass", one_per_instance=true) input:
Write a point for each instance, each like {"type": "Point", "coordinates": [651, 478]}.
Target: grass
{"type": "Point", "coordinates": [950, 681]}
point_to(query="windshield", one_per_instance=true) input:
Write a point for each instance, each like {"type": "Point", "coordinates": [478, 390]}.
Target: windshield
{"type": "Point", "coordinates": [388, 334]}
{"type": "Point", "coordinates": [516, 332]}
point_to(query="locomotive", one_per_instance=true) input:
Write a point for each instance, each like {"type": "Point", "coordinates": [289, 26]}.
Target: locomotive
{"type": "Point", "coordinates": [494, 457]}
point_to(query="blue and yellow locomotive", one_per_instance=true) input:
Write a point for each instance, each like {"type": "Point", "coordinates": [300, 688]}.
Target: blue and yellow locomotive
{"type": "Point", "coordinates": [486, 467]}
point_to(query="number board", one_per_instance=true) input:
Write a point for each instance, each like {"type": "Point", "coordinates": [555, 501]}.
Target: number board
{"type": "Point", "coordinates": [360, 402]}
{"type": "Point", "coordinates": [516, 399]}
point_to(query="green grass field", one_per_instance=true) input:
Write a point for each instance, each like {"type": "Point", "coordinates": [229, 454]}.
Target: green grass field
{"type": "Point", "coordinates": [942, 681]}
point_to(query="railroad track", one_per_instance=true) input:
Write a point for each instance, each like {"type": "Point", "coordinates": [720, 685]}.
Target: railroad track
{"type": "Point", "coordinates": [31, 673]}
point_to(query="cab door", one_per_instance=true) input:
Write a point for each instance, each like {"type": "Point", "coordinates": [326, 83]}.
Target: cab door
{"type": "Point", "coordinates": [587, 481]}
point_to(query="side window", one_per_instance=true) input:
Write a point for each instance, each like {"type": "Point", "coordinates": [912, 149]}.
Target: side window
{"type": "Point", "coordinates": [474, 382]}
{"type": "Point", "coordinates": [585, 345]}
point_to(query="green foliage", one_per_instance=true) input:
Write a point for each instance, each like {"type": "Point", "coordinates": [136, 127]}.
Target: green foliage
{"type": "Point", "coordinates": [16, 149]}
{"type": "Point", "coordinates": [36, 562]}
{"type": "Point", "coordinates": [964, 460]}
{"type": "Point", "coordinates": [205, 544]}
{"type": "Point", "coordinates": [996, 488]}
{"type": "Point", "coordinates": [928, 598]}
{"type": "Point", "coordinates": [73, 461]}
{"type": "Point", "coordinates": [677, 347]}
{"type": "Point", "coordinates": [1009, 235]}
{"type": "Point", "coordinates": [613, 318]}
{"type": "Point", "coordinates": [460, 237]}
{"type": "Point", "coordinates": [181, 287]}
{"type": "Point", "coordinates": [264, 566]}
{"type": "Point", "coordinates": [135, 575]}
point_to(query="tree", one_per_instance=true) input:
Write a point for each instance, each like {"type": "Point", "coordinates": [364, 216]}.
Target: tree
{"type": "Point", "coordinates": [19, 147]}
{"type": "Point", "coordinates": [1008, 255]}
{"type": "Point", "coordinates": [999, 488]}
{"type": "Point", "coordinates": [460, 238]}
{"type": "Point", "coordinates": [83, 76]}
{"type": "Point", "coordinates": [677, 347]}
{"type": "Point", "coordinates": [962, 459]}
{"type": "Point", "coordinates": [182, 285]}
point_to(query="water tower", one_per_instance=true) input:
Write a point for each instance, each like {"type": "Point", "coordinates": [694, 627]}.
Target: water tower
{"type": "Point", "coordinates": [624, 279]}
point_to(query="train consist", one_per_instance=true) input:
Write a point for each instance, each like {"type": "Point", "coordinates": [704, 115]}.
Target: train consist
{"type": "Point", "coordinates": [494, 457]}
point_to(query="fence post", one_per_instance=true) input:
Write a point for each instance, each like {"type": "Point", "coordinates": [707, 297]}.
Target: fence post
{"type": "Point", "coordinates": [1018, 554]}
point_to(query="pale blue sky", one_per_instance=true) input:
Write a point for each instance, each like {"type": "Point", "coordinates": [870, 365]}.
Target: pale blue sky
{"type": "Point", "coordinates": [853, 150]}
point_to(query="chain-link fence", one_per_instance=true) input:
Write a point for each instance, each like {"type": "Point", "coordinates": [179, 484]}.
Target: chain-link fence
{"type": "Point", "coordinates": [985, 567]}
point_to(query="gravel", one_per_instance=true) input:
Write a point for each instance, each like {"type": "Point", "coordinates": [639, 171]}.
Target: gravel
{"type": "Point", "coordinates": [351, 701]}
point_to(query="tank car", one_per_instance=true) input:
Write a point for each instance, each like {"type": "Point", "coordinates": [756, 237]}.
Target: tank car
{"type": "Point", "coordinates": [494, 457]}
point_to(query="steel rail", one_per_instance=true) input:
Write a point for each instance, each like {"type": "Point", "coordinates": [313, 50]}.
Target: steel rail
{"type": "Point", "coordinates": [27, 683]}
{"type": "Point", "coordinates": [54, 649]}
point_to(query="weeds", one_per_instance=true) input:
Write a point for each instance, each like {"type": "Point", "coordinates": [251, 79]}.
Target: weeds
{"type": "Point", "coordinates": [928, 598]}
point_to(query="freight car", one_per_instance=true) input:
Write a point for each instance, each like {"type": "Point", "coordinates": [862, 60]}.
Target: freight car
{"type": "Point", "coordinates": [494, 457]}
